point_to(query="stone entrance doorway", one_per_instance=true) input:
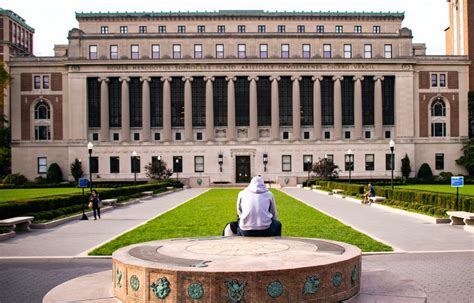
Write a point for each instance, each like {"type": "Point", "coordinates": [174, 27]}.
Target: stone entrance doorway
{"type": "Point", "coordinates": [242, 169]}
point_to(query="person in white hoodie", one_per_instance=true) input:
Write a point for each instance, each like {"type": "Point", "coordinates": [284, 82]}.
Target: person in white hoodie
{"type": "Point", "coordinates": [257, 211]}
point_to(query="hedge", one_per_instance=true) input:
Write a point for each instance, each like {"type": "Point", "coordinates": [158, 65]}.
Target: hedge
{"type": "Point", "coordinates": [31, 206]}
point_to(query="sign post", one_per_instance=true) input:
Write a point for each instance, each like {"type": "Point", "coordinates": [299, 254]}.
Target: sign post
{"type": "Point", "coordinates": [457, 182]}
{"type": "Point", "coordinates": [83, 183]}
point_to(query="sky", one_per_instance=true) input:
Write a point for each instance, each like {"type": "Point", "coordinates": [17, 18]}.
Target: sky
{"type": "Point", "coordinates": [52, 19]}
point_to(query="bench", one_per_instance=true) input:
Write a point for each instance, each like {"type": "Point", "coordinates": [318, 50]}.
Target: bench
{"type": "Point", "coordinates": [376, 199]}
{"type": "Point", "coordinates": [110, 202]}
{"type": "Point", "coordinates": [315, 187]}
{"type": "Point", "coordinates": [17, 223]}
{"type": "Point", "coordinates": [461, 218]}
{"type": "Point", "coordinates": [147, 195]}
{"type": "Point", "coordinates": [337, 191]}
{"type": "Point", "coordinates": [169, 187]}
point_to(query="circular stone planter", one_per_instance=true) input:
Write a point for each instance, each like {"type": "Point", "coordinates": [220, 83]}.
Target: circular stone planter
{"type": "Point", "coordinates": [237, 269]}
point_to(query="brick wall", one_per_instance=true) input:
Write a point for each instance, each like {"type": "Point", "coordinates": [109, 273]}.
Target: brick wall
{"type": "Point", "coordinates": [26, 82]}
{"type": "Point", "coordinates": [424, 80]}
{"type": "Point", "coordinates": [57, 103]}
{"type": "Point", "coordinates": [453, 100]}
{"type": "Point", "coordinates": [56, 82]}
{"type": "Point", "coordinates": [453, 80]}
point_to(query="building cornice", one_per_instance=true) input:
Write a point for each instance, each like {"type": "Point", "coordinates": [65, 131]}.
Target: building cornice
{"type": "Point", "coordinates": [15, 17]}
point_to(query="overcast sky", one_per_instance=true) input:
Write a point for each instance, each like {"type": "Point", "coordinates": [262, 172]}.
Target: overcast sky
{"type": "Point", "coordinates": [53, 19]}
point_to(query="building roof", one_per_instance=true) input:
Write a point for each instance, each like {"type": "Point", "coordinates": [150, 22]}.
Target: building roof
{"type": "Point", "coordinates": [16, 17]}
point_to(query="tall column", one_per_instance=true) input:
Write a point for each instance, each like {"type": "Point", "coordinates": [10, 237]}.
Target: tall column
{"type": "Point", "coordinates": [358, 107]}
{"type": "Point", "coordinates": [378, 112]}
{"type": "Point", "coordinates": [296, 108]}
{"type": "Point", "coordinates": [188, 109]}
{"type": "Point", "coordinates": [253, 109]}
{"type": "Point", "coordinates": [209, 108]}
{"type": "Point", "coordinates": [166, 109]}
{"type": "Point", "coordinates": [104, 109]}
{"type": "Point", "coordinates": [275, 130]}
{"type": "Point", "coordinates": [125, 109]}
{"type": "Point", "coordinates": [337, 108]}
{"type": "Point", "coordinates": [146, 125]}
{"type": "Point", "coordinates": [317, 107]}
{"type": "Point", "coordinates": [231, 108]}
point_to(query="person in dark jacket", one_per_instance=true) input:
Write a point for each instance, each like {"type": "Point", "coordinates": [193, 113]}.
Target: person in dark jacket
{"type": "Point", "coordinates": [95, 203]}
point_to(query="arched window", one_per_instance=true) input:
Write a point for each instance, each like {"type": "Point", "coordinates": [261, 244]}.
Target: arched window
{"type": "Point", "coordinates": [438, 118]}
{"type": "Point", "coordinates": [42, 121]}
{"type": "Point", "coordinates": [42, 111]}
{"type": "Point", "coordinates": [438, 109]}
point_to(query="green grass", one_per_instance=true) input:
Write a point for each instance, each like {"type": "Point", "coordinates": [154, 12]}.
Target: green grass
{"type": "Point", "coordinates": [441, 188]}
{"type": "Point", "coordinates": [207, 214]}
{"type": "Point", "coordinates": [28, 193]}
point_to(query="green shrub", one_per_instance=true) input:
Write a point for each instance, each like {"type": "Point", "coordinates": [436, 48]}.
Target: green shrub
{"type": "Point", "coordinates": [41, 180]}
{"type": "Point", "coordinates": [54, 174]}
{"type": "Point", "coordinates": [15, 179]}
{"type": "Point", "coordinates": [425, 172]}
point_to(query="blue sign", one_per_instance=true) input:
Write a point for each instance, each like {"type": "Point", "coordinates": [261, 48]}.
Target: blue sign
{"type": "Point", "coordinates": [83, 182]}
{"type": "Point", "coordinates": [457, 181]}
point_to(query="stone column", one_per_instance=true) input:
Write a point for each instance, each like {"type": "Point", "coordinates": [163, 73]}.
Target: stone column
{"type": "Point", "coordinates": [146, 125]}
{"type": "Point", "coordinates": [358, 107]}
{"type": "Point", "coordinates": [317, 107]}
{"type": "Point", "coordinates": [378, 112]}
{"type": "Point", "coordinates": [231, 108]}
{"type": "Point", "coordinates": [275, 130]}
{"type": "Point", "coordinates": [296, 108]}
{"type": "Point", "coordinates": [337, 108]}
{"type": "Point", "coordinates": [209, 108]}
{"type": "Point", "coordinates": [188, 109]}
{"type": "Point", "coordinates": [166, 109]}
{"type": "Point", "coordinates": [253, 109]}
{"type": "Point", "coordinates": [104, 110]}
{"type": "Point", "coordinates": [125, 109]}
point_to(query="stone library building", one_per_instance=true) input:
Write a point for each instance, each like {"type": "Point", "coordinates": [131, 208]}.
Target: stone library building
{"type": "Point", "coordinates": [223, 96]}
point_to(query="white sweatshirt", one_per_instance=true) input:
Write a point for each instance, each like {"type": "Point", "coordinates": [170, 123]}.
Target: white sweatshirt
{"type": "Point", "coordinates": [256, 206]}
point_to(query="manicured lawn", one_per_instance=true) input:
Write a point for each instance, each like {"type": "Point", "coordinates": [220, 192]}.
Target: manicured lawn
{"type": "Point", "coordinates": [444, 188]}
{"type": "Point", "coordinates": [27, 193]}
{"type": "Point", "coordinates": [207, 214]}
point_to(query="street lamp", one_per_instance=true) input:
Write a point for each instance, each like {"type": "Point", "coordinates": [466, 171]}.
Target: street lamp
{"type": "Point", "coordinates": [265, 162]}
{"type": "Point", "coordinates": [308, 167]}
{"type": "Point", "coordinates": [350, 154]}
{"type": "Point", "coordinates": [134, 162]}
{"type": "Point", "coordinates": [90, 146]}
{"type": "Point", "coordinates": [177, 169]}
{"type": "Point", "coordinates": [392, 147]}
{"type": "Point", "coordinates": [220, 160]}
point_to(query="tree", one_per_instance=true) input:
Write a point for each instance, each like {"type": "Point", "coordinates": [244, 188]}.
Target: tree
{"type": "Point", "coordinates": [54, 174]}
{"type": "Point", "coordinates": [470, 98]}
{"type": "Point", "coordinates": [5, 138]}
{"type": "Point", "coordinates": [76, 170]}
{"type": "Point", "coordinates": [326, 169]}
{"type": "Point", "coordinates": [406, 168]}
{"type": "Point", "coordinates": [157, 170]}
{"type": "Point", "coordinates": [467, 159]}
{"type": "Point", "coordinates": [425, 172]}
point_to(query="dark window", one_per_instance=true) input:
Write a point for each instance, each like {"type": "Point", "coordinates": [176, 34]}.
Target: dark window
{"type": "Point", "coordinates": [135, 102]}
{"type": "Point", "coordinates": [134, 164]}
{"type": "Point", "coordinates": [93, 98]}
{"type": "Point", "coordinates": [221, 28]}
{"type": "Point", "coordinates": [358, 29]}
{"type": "Point", "coordinates": [306, 101]}
{"type": "Point", "coordinates": [347, 95]}
{"type": "Point", "coordinates": [198, 164]}
{"type": "Point", "coordinates": [320, 28]}
{"type": "Point", "coordinates": [162, 29]}
{"type": "Point", "coordinates": [281, 28]}
{"type": "Point", "coordinates": [42, 164]}
{"type": "Point", "coordinates": [327, 101]}
{"type": "Point", "coordinates": [438, 129]}
{"type": "Point", "coordinates": [376, 29]}
{"type": "Point", "coordinates": [369, 162]}
{"type": "Point", "coordinates": [388, 134]}
{"type": "Point", "coordinates": [330, 157]}
{"type": "Point", "coordinates": [114, 165]}
{"type": "Point", "coordinates": [157, 137]}
{"type": "Point", "coordinates": [115, 102]}
{"type": "Point", "coordinates": [242, 101]}
{"type": "Point", "coordinates": [306, 135]}
{"type": "Point", "coordinates": [349, 162]}
{"type": "Point", "coordinates": [177, 102]}
{"type": "Point", "coordinates": [42, 111]}
{"type": "Point", "coordinates": [136, 136]}
{"type": "Point", "coordinates": [442, 80]}
{"type": "Point", "coordinates": [388, 163]}
{"type": "Point", "coordinates": [261, 29]}
{"type": "Point", "coordinates": [339, 29]}
{"type": "Point", "coordinates": [116, 136]}
{"type": "Point", "coordinates": [241, 28]}
{"type": "Point", "coordinates": [181, 29]}
{"type": "Point", "coordinates": [327, 135]}
{"type": "Point", "coordinates": [177, 136]}
{"type": "Point", "coordinates": [94, 165]}
{"type": "Point", "coordinates": [434, 80]}
{"type": "Point", "coordinates": [368, 100]}
{"type": "Point", "coordinates": [177, 164]}
{"type": "Point", "coordinates": [104, 29]}
{"type": "Point", "coordinates": [438, 108]}
{"type": "Point", "coordinates": [439, 159]}
{"type": "Point", "coordinates": [37, 82]}
{"type": "Point", "coordinates": [95, 137]}
{"type": "Point", "coordinates": [347, 134]}
{"type": "Point", "coordinates": [300, 28]}
{"type": "Point", "coordinates": [201, 29]}
{"type": "Point", "coordinates": [46, 82]}
{"type": "Point", "coordinates": [199, 136]}
{"type": "Point", "coordinates": [367, 134]}
{"type": "Point", "coordinates": [142, 29]}
{"type": "Point", "coordinates": [286, 163]}
{"type": "Point", "coordinates": [307, 162]}
{"type": "Point", "coordinates": [42, 132]}
{"type": "Point", "coordinates": [199, 101]}
{"type": "Point", "coordinates": [124, 29]}
{"type": "Point", "coordinates": [285, 95]}
{"type": "Point", "coordinates": [156, 102]}
{"type": "Point", "coordinates": [285, 135]}
{"type": "Point", "coordinates": [220, 101]}
{"type": "Point", "coordinates": [388, 100]}
{"type": "Point", "coordinates": [264, 93]}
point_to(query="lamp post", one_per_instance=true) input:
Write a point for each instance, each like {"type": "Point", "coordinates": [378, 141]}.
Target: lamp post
{"type": "Point", "coordinates": [220, 160]}
{"type": "Point", "coordinates": [308, 167]}
{"type": "Point", "coordinates": [350, 154]}
{"type": "Point", "coordinates": [265, 162]}
{"type": "Point", "coordinates": [392, 147]}
{"type": "Point", "coordinates": [90, 146]}
{"type": "Point", "coordinates": [177, 169]}
{"type": "Point", "coordinates": [134, 162]}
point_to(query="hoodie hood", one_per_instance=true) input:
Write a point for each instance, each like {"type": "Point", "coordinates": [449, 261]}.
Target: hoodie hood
{"type": "Point", "coordinates": [257, 185]}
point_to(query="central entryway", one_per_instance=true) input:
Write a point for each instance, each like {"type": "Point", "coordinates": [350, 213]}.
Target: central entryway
{"type": "Point", "coordinates": [242, 169]}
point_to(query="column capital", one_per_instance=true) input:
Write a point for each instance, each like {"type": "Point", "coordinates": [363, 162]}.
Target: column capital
{"type": "Point", "coordinates": [188, 78]}
{"type": "Point", "coordinates": [336, 78]}
{"type": "Point", "coordinates": [166, 79]}
{"type": "Point", "coordinates": [209, 78]}
{"type": "Point", "coordinates": [231, 78]}
{"type": "Point", "coordinates": [317, 78]}
{"type": "Point", "coordinates": [277, 78]}
{"type": "Point", "coordinates": [376, 78]}
{"type": "Point", "coordinates": [103, 79]}
{"type": "Point", "coordinates": [126, 79]}
{"type": "Point", "coordinates": [358, 78]}
{"type": "Point", "coordinates": [146, 78]}
{"type": "Point", "coordinates": [252, 78]}
{"type": "Point", "coordinates": [297, 78]}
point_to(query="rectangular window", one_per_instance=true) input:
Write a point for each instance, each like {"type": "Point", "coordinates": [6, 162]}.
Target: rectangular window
{"type": "Point", "coordinates": [134, 51]}
{"type": "Point", "coordinates": [241, 51]}
{"type": "Point", "coordinates": [37, 82]}
{"type": "Point", "coordinates": [124, 29]}
{"type": "Point", "coordinates": [178, 164]}
{"type": "Point", "coordinates": [142, 29]}
{"type": "Point", "coordinates": [114, 165]}
{"type": "Point", "coordinates": [198, 164]}
{"type": "Point", "coordinates": [307, 162]}
{"type": "Point", "coordinates": [320, 28]}
{"type": "Point", "coordinates": [306, 51]}
{"type": "Point", "coordinates": [369, 162]}
{"type": "Point", "coordinates": [104, 29]}
{"type": "Point", "coordinates": [181, 29]}
{"type": "Point", "coordinates": [94, 165]}
{"type": "Point", "coordinates": [327, 135]}
{"type": "Point", "coordinates": [42, 163]}
{"type": "Point", "coordinates": [114, 52]}
{"type": "Point", "coordinates": [306, 135]}
{"type": "Point", "coordinates": [376, 29]}
{"type": "Point", "coordinates": [134, 164]}
{"type": "Point", "coordinates": [201, 28]}
{"type": "Point", "coordinates": [442, 80]}
{"type": "Point", "coordinates": [262, 29]}
{"type": "Point", "coordinates": [286, 163]}
{"type": "Point", "coordinates": [241, 28]}
{"type": "Point", "coordinates": [300, 29]}
{"type": "Point", "coordinates": [358, 29]}
{"type": "Point", "coordinates": [285, 51]}
{"type": "Point", "coordinates": [95, 137]}
{"type": "Point", "coordinates": [347, 134]}
{"type": "Point", "coordinates": [349, 162]}
{"type": "Point", "coordinates": [199, 136]}
{"type": "Point", "coordinates": [281, 28]}
{"type": "Point", "coordinates": [92, 52]}
{"type": "Point", "coordinates": [157, 137]}
{"type": "Point", "coordinates": [367, 51]}
{"type": "Point", "coordinates": [434, 80]}
{"type": "Point", "coordinates": [177, 136]}
{"type": "Point", "coordinates": [367, 134]}
{"type": "Point", "coordinates": [219, 51]}
{"type": "Point", "coordinates": [389, 164]}
{"type": "Point", "coordinates": [388, 51]}
{"type": "Point", "coordinates": [221, 28]}
{"type": "Point", "coordinates": [42, 132]}
{"type": "Point", "coordinates": [327, 51]}
{"type": "Point", "coordinates": [438, 129]}
{"type": "Point", "coordinates": [347, 51]}
{"type": "Point", "coordinates": [388, 134]}
{"type": "Point", "coordinates": [115, 136]}
{"type": "Point", "coordinates": [285, 136]}
{"type": "Point", "coordinates": [136, 136]}
{"type": "Point", "coordinates": [439, 161]}
{"type": "Point", "coordinates": [330, 157]}
{"type": "Point", "coordinates": [339, 29]}
{"type": "Point", "coordinates": [197, 51]}
{"type": "Point", "coordinates": [162, 29]}
{"type": "Point", "coordinates": [263, 51]}
{"type": "Point", "coordinates": [155, 51]}
{"type": "Point", "coordinates": [176, 51]}
{"type": "Point", "coordinates": [46, 82]}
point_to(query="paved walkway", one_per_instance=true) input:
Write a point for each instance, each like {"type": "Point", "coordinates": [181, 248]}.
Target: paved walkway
{"type": "Point", "coordinates": [72, 239]}
{"type": "Point", "coordinates": [400, 231]}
